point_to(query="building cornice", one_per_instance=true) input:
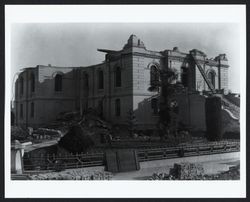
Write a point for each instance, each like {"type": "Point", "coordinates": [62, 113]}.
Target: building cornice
{"type": "Point", "coordinates": [44, 98]}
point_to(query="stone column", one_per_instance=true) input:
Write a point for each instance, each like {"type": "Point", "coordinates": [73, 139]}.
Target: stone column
{"type": "Point", "coordinates": [17, 152]}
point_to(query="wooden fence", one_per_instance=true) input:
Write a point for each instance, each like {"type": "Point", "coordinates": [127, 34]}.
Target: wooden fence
{"type": "Point", "coordinates": [185, 151]}
{"type": "Point", "coordinates": [61, 162]}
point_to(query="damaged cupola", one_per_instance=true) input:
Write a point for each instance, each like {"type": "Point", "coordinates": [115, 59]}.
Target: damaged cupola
{"type": "Point", "coordinates": [134, 41]}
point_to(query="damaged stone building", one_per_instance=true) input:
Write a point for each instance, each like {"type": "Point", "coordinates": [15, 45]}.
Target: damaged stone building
{"type": "Point", "coordinates": [119, 84]}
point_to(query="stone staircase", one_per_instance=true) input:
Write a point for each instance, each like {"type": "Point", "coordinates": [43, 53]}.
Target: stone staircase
{"type": "Point", "coordinates": [231, 107]}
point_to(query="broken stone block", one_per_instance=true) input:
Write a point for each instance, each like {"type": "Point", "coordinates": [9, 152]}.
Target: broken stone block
{"type": "Point", "coordinates": [187, 171]}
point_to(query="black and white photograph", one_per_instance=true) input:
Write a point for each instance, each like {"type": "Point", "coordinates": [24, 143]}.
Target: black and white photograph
{"type": "Point", "coordinates": [125, 101]}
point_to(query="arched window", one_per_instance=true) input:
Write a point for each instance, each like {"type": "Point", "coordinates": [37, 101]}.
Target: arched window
{"type": "Point", "coordinates": [154, 75]}
{"type": "Point", "coordinates": [154, 105]}
{"type": "Point", "coordinates": [21, 111]}
{"type": "Point", "coordinates": [32, 81]}
{"type": "Point", "coordinates": [117, 107]}
{"type": "Point", "coordinates": [86, 80]}
{"type": "Point", "coordinates": [32, 110]}
{"type": "Point", "coordinates": [118, 77]}
{"type": "Point", "coordinates": [21, 86]}
{"type": "Point", "coordinates": [58, 82]}
{"type": "Point", "coordinates": [100, 108]}
{"type": "Point", "coordinates": [100, 79]}
{"type": "Point", "coordinates": [211, 77]}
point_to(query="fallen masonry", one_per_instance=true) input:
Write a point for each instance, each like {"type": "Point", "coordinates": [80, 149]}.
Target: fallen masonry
{"type": "Point", "coordinates": [79, 174]}
{"type": "Point", "coordinates": [192, 171]}
{"type": "Point", "coordinates": [187, 171]}
{"type": "Point", "coordinates": [232, 174]}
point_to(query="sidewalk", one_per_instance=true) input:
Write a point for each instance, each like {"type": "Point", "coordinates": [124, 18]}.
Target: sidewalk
{"type": "Point", "coordinates": [212, 164]}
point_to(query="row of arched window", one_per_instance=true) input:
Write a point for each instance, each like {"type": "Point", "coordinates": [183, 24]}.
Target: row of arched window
{"type": "Point", "coordinates": [100, 78]}
{"type": "Point", "coordinates": [58, 83]}
{"type": "Point", "coordinates": [154, 79]}
{"type": "Point", "coordinates": [155, 76]}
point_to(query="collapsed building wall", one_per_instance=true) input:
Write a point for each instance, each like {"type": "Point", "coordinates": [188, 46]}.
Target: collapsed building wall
{"type": "Point", "coordinates": [117, 85]}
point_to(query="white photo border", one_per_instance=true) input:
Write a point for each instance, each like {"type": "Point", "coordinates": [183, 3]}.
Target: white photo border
{"type": "Point", "coordinates": [126, 14]}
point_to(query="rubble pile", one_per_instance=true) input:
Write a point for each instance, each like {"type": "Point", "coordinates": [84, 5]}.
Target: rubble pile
{"type": "Point", "coordinates": [65, 120]}
{"type": "Point", "coordinates": [77, 140]}
{"type": "Point", "coordinates": [182, 171]}
{"type": "Point", "coordinates": [79, 174]}
{"type": "Point", "coordinates": [99, 129]}
{"type": "Point", "coordinates": [81, 132]}
{"type": "Point", "coordinates": [187, 171]}
{"type": "Point", "coordinates": [232, 174]}
{"type": "Point", "coordinates": [90, 119]}
{"type": "Point", "coordinates": [191, 171]}
{"type": "Point", "coordinates": [17, 133]}
{"type": "Point", "coordinates": [52, 133]}
{"type": "Point", "coordinates": [69, 116]}
{"type": "Point", "coordinates": [161, 176]}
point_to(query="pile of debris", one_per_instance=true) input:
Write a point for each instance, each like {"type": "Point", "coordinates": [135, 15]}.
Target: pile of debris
{"type": "Point", "coordinates": [191, 171]}
{"type": "Point", "coordinates": [187, 171]}
{"type": "Point", "coordinates": [182, 171]}
{"type": "Point", "coordinates": [18, 133]}
{"type": "Point", "coordinates": [46, 133]}
{"type": "Point", "coordinates": [69, 116]}
{"type": "Point", "coordinates": [232, 174]}
{"type": "Point", "coordinates": [90, 118]}
{"type": "Point", "coordinates": [80, 174]}
{"type": "Point", "coordinates": [161, 176]}
{"type": "Point", "coordinates": [76, 133]}
{"type": "Point", "coordinates": [99, 129]}
{"type": "Point", "coordinates": [90, 131]}
{"type": "Point", "coordinates": [77, 140]}
{"type": "Point", "coordinates": [64, 120]}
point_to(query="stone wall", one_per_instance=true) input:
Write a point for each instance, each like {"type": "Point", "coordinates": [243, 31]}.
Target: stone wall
{"type": "Point", "coordinates": [110, 92]}
{"type": "Point", "coordinates": [201, 83]}
{"type": "Point", "coordinates": [47, 102]}
{"type": "Point", "coordinates": [141, 83]}
{"type": "Point", "coordinates": [192, 111]}
{"type": "Point", "coordinates": [224, 78]}
{"type": "Point", "coordinates": [135, 62]}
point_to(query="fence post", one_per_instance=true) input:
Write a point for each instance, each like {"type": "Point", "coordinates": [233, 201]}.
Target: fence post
{"type": "Point", "coordinates": [146, 155]}
{"type": "Point", "coordinates": [16, 159]}
{"type": "Point", "coordinates": [211, 149]}
{"type": "Point", "coordinates": [164, 153]}
{"type": "Point", "coordinates": [77, 159]}
{"type": "Point", "coordinates": [47, 162]}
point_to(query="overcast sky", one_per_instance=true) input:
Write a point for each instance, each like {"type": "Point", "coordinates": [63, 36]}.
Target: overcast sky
{"type": "Point", "coordinates": [75, 44]}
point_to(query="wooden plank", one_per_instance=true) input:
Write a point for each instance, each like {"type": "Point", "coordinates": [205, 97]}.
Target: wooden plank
{"type": "Point", "coordinates": [127, 160]}
{"type": "Point", "coordinates": [111, 161]}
